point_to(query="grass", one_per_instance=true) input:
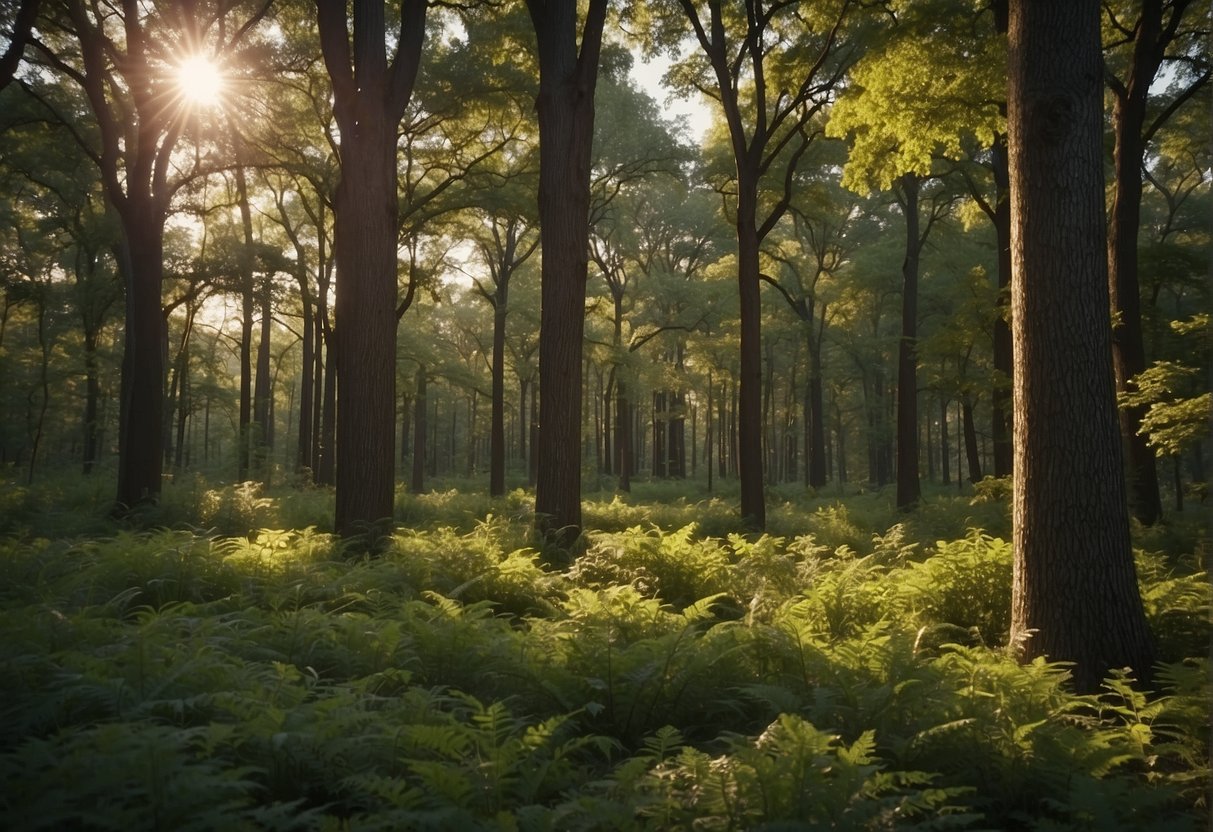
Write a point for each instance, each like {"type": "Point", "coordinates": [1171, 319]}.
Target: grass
{"type": "Point", "coordinates": [233, 666]}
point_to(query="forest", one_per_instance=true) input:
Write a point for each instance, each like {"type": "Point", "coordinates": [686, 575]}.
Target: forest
{"type": "Point", "coordinates": [557, 415]}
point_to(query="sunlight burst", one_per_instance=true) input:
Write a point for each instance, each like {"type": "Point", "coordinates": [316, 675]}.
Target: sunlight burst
{"type": "Point", "coordinates": [200, 81]}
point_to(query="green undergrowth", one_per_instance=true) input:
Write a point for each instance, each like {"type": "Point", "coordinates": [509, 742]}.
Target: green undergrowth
{"type": "Point", "coordinates": [848, 672]}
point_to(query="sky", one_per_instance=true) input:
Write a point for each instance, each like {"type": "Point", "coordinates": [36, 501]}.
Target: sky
{"type": "Point", "coordinates": [648, 74]}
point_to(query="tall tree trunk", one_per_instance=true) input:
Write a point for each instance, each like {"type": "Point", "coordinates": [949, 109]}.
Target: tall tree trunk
{"type": "Point", "coordinates": [326, 456]}
{"type": "Point", "coordinates": [1075, 595]}
{"type": "Point", "coordinates": [623, 436]}
{"type": "Point", "coordinates": [565, 107]}
{"type": "Point", "coordinates": [709, 413]}
{"type": "Point", "coordinates": [749, 405]}
{"type": "Point", "coordinates": [659, 451]}
{"type": "Point", "coordinates": [1001, 406]}
{"type": "Point", "coordinates": [263, 391]}
{"type": "Point", "coordinates": [184, 405]}
{"type": "Point", "coordinates": [608, 425]}
{"type": "Point", "coordinates": [909, 491]}
{"type": "Point", "coordinates": [420, 429]}
{"type": "Point", "coordinates": [945, 454]}
{"type": "Point", "coordinates": [92, 398]}
{"type": "Point", "coordinates": [369, 99]}
{"type": "Point", "coordinates": [532, 459]}
{"type": "Point", "coordinates": [307, 381]}
{"type": "Point", "coordinates": [816, 441]}
{"type": "Point", "coordinates": [44, 389]}
{"type": "Point", "coordinates": [365, 228]}
{"type": "Point", "coordinates": [247, 308]}
{"type": "Point", "coordinates": [497, 428]}
{"type": "Point", "coordinates": [677, 441]}
{"type": "Point", "coordinates": [145, 345]}
{"type": "Point", "coordinates": [523, 426]}
{"type": "Point", "coordinates": [970, 431]}
{"type": "Point", "coordinates": [1128, 344]}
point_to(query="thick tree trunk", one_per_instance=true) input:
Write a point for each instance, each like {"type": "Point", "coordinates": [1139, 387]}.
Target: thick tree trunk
{"type": "Point", "coordinates": [145, 347]}
{"type": "Point", "coordinates": [909, 491]}
{"type": "Point", "coordinates": [365, 228]}
{"type": "Point", "coordinates": [566, 130]}
{"type": "Point", "coordinates": [369, 99]}
{"type": "Point", "coordinates": [1075, 595]}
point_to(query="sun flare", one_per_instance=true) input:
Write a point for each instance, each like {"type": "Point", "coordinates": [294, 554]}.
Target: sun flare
{"type": "Point", "coordinates": [200, 81]}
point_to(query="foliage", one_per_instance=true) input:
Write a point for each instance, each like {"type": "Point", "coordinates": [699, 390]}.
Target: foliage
{"type": "Point", "coordinates": [179, 679]}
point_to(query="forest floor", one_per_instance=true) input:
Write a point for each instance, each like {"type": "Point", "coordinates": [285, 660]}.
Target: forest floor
{"type": "Point", "coordinates": [227, 664]}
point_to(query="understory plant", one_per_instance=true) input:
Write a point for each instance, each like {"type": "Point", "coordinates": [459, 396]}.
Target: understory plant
{"type": "Point", "coordinates": [668, 679]}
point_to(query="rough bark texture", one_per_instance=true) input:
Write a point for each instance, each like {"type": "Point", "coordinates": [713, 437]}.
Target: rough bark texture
{"type": "Point", "coordinates": [565, 107]}
{"type": "Point", "coordinates": [369, 100]}
{"type": "Point", "coordinates": [1075, 594]}
{"type": "Point", "coordinates": [365, 227]}
{"type": "Point", "coordinates": [145, 344]}
{"type": "Point", "coordinates": [909, 490]}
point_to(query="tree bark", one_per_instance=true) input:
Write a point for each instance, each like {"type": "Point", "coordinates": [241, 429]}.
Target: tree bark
{"type": "Point", "coordinates": [818, 470]}
{"type": "Point", "coordinates": [420, 428]}
{"type": "Point", "coordinates": [145, 345]}
{"type": "Point", "coordinates": [1128, 345]}
{"type": "Point", "coordinates": [749, 403]}
{"type": "Point", "coordinates": [369, 99]}
{"type": "Point", "coordinates": [909, 490]}
{"type": "Point", "coordinates": [1001, 406]}
{"type": "Point", "coordinates": [263, 391]}
{"type": "Point", "coordinates": [247, 307]}
{"type": "Point", "coordinates": [497, 428]}
{"type": "Point", "coordinates": [1075, 595]}
{"type": "Point", "coordinates": [972, 454]}
{"type": "Point", "coordinates": [92, 399]}
{"type": "Point", "coordinates": [565, 108]}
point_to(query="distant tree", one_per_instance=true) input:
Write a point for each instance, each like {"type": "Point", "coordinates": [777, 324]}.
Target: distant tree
{"type": "Point", "coordinates": [123, 63]}
{"type": "Point", "coordinates": [1075, 595]}
{"type": "Point", "coordinates": [1171, 33]}
{"type": "Point", "coordinates": [821, 243]}
{"type": "Point", "coordinates": [901, 120]}
{"type": "Point", "coordinates": [772, 69]}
